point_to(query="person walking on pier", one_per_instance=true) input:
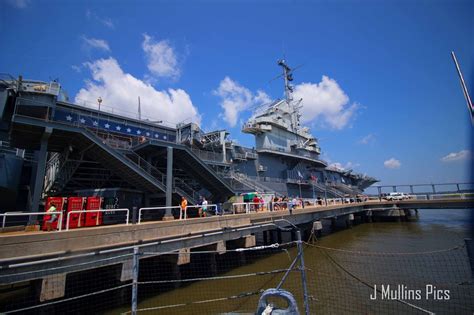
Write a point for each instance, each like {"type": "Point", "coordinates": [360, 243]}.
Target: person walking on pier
{"type": "Point", "coordinates": [256, 202]}
{"type": "Point", "coordinates": [184, 204]}
{"type": "Point", "coordinates": [54, 217]}
{"type": "Point", "coordinates": [203, 210]}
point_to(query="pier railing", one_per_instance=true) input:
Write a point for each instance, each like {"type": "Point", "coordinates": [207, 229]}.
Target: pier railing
{"type": "Point", "coordinates": [160, 212]}
{"type": "Point", "coordinates": [28, 215]}
{"type": "Point", "coordinates": [84, 212]}
{"type": "Point", "coordinates": [149, 214]}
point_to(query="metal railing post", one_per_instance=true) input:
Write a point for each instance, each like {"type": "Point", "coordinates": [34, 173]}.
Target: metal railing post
{"type": "Point", "coordinates": [326, 195]}
{"type": "Point", "coordinates": [67, 221]}
{"type": "Point", "coordinates": [135, 264]}
{"type": "Point", "coordinates": [303, 271]}
{"type": "Point", "coordinates": [60, 222]}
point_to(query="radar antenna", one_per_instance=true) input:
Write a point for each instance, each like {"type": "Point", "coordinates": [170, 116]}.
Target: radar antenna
{"type": "Point", "coordinates": [288, 77]}
{"type": "Point", "coordinates": [294, 106]}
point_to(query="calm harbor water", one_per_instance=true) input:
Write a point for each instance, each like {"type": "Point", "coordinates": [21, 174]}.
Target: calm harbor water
{"type": "Point", "coordinates": [415, 254]}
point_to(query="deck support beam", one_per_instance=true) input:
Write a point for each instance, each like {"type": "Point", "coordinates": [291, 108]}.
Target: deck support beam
{"type": "Point", "coordinates": [169, 181]}
{"type": "Point", "coordinates": [40, 171]}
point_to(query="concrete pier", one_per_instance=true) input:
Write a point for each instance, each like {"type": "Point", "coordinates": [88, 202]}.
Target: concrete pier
{"type": "Point", "coordinates": [30, 256]}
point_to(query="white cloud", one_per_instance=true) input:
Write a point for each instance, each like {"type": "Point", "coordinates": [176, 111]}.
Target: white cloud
{"type": "Point", "coordinates": [236, 98]}
{"type": "Point", "coordinates": [348, 166]}
{"type": "Point", "coordinates": [392, 163]}
{"type": "Point", "coordinates": [103, 20]}
{"type": "Point", "coordinates": [108, 22]}
{"type": "Point", "coordinates": [326, 102]}
{"type": "Point", "coordinates": [161, 58]}
{"type": "Point", "coordinates": [457, 156]}
{"type": "Point", "coordinates": [19, 4]}
{"type": "Point", "coordinates": [370, 138]}
{"type": "Point", "coordinates": [76, 68]}
{"type": "Point", "coordinates": [121, 90]}
{"type": "Point", "coordinates": [261, 98]}
{"type": "Point", "coordinates": [96, 43]}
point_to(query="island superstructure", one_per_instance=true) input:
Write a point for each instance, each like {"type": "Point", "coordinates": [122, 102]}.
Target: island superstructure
{"type": "Point", "coordinates": [286, 157]}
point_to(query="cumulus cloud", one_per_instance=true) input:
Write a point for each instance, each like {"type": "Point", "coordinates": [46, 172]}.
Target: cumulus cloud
{"type": "Point", "coordinates": [349, 165]}
{"type": "Point", "coordinates": [99, 44]}
{"type": "Point", "coordinates": [457, 156]}
{"type": "Point", "coordinates": [392, 163]}
{"type": "Point", "coordinates": [19, 4]}
{"type": "Point", "coordinates": [370, 138]}
{"type": "Point", "coordinates": [236, 98]}
{"type": "Point", "coordinates": [121, 90]}
{"type": "Point", "coordinates": [325, 102]}
{"type": "Point", "coordinates": [161, 58]}
{"type": "Point", "coordinates": [103, 20]}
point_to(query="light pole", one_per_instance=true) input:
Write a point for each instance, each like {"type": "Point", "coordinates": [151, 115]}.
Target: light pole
{"type": "Point", "coordinates": [299, 184]}
{"type": "Point", "coordinates": [99, 101]}
{"type": "Point", "coordinates": [326, 193]}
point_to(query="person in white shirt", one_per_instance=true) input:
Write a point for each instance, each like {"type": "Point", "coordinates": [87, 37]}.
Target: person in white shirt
{"type": "Point", "coordinates": [204, 212]}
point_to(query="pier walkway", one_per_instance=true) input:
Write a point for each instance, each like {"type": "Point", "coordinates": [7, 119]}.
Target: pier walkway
{"type": "Point", "coordinates": [30, 255]}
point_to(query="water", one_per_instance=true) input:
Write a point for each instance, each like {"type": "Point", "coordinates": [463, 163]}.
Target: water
{"type": "Point", "coordinates": [339, 281]}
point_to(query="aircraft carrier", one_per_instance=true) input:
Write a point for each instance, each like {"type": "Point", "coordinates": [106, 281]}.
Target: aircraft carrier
{"type": "Point", "coordinates": [52, 147]}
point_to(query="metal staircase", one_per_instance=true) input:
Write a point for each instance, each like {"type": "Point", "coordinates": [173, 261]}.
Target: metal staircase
{"type": "Point", "coordinates": [328, 189]}
{"type": "Point", "coordinates": [192, 167]}
{"type": "Point", "coordinates": [179, 186]}
{"type": "Point", "coordinates": [59, 171]}
{"type": "Point", "coordinates": [248, 182]}
{"type": "Point", "coordinates": [124, 162]}
{"type": "Point", "coordinates": [183, 189]}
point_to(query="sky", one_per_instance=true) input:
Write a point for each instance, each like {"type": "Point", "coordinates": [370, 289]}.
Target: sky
{"type": "Point", "coordinates": [379, 87]}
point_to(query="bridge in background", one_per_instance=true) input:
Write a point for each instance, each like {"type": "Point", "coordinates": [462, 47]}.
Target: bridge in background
{"type": "Point", "coordinates": [421, 189]}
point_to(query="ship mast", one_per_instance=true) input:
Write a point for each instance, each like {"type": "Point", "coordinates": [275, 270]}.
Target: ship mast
{"type": "Point", "coordinates": [288, 77]}
{"type": "Point", "coordinates": [294, 108]}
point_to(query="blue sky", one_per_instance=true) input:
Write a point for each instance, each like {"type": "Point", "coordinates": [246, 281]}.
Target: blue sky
{"type": "Point", "coordinates": [379, 87]}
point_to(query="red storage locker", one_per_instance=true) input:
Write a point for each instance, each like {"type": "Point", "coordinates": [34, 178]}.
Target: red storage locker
{"type": "Point", "coordinates": [59, 202]}
{"type": "Point", "coordinates": [75, 219]}
{"type": "Point", "coordinates": [93, 218]}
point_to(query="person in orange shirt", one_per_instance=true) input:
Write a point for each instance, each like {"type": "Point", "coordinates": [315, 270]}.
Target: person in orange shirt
{"type": "Point", "coordinates": [184, 204]}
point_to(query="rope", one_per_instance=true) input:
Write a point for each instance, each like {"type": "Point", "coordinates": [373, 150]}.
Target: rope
{"type": "Point", "coordinates": [262, 273]}
{"type": "Point", "coordinates": [386, 253]}
{"type": "Point", "coordinates": [272, 246]}
{"type": "Point", "coordinates": [276, 245]}
{"type": "Point", "coordinates": [68, 299]}
{"type": "Point", "coordinates": [233, 297]}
